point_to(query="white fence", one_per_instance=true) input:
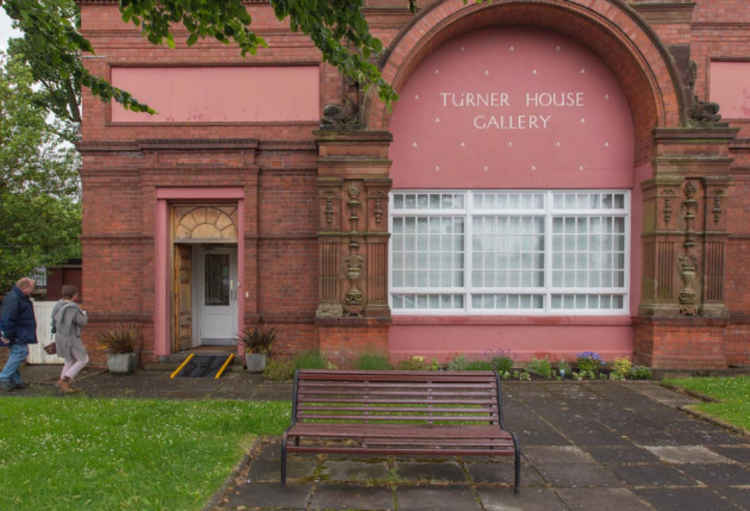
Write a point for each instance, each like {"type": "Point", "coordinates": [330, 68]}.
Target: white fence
{"type": "Point", "coordinates": [37, 355]}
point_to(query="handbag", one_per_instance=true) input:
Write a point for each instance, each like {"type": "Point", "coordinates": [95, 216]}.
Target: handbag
{"type": "Point", "coordinates": [51, 348]}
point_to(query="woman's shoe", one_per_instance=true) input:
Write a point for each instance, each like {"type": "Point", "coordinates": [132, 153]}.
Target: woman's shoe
{"type": "Point", "coordinates": [64, 385]}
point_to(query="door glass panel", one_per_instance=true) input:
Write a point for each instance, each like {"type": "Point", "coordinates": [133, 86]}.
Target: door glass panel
{"type": "Point", "coordinates": [217, 279]}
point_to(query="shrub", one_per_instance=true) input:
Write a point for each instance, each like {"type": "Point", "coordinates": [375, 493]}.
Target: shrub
{"type": "Point", "coordinates": [459, 363]}
{"type": "Point", "coordinates": [640, 373]}
{"type": "Point", "coordinates": [279, 370]}
{"type": "Point", "coordinates": [479, 365]}
{"type": "Point", "coordinates": [123, 338]}
{"type": "Point", "coordinates": [502, 364]}
{"type": "Point", "coordinates": [258, 340]}
{"type": "Point", "coordinates": [542, 367]}
{"type": "Point", "coordinates": [312, 359]}
{"type": "Point", "coordinates": [563, 368]}
{"type": "Point", "coordinates": [372, 362]}
{"type": "Point", "coordinates": [589, 362]}
{"type": "Point", "coordinates": [620, 369]}
{"type": "Point", "coordinates": [414, 363]}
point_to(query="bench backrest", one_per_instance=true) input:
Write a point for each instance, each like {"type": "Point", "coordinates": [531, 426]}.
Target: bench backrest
{"type": "Point", "coordinates": [436, 397]}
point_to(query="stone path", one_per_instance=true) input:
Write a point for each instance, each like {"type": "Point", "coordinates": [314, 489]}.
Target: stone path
{"type": "Point", "coordinates": [592, 445]}
{"type": "Point", "coordinates": [611, 446]}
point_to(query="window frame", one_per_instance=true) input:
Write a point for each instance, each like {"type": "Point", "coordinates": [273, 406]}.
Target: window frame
{"type": "Point", "coordinates": [548, 212]}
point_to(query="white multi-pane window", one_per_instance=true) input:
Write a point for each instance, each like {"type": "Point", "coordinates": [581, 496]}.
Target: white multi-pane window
{"type": "Point", "coordinates": [510, 252]}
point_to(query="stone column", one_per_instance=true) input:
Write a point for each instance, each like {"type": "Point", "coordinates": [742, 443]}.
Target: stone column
{"type": "Point", "coordinates": [353, 185]}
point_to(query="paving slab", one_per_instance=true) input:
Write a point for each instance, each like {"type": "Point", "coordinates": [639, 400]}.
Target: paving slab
{"type": "Point", "coordinates": [619, 454]}
{"type": "Point", "coordinates": [577, 475]}
{"type": "Point", "coordinates": [718, 474]}
{"type": "Point", "coordinates": [268, 496]}
{"type": "Point", "coordinates": [531, 499]}
{"type": "Point", "coordinates": [539, 454]}
{"type": "Point", "coordinates": [358, 471]}
{"type": "Point", "coordinates": [503, 473]}
{"type": "Point", "coordinates": [458, 498]}
{"type": "Point", "coordinates": [685, 454]}
{"type": "Point", "coordinates": [339, 496]}
{"type": "Point", "coordinates": [686, 499]}
{"type": "Point", "coordinates": [739, 453]}
{"type": "Point", "coordinates": [656, 475]}
{"type": "Point", "coordinates": [443, 472]}
{"type": "Point", "coordinates": [740, 497]}
{"type": "Point", "coordinates": [602, 498]}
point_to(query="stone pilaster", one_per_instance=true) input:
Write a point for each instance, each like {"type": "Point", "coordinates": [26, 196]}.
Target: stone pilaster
{"type": "Point", "coordinates": [684, 243]}
{"type": "Point", "coordinates": [353, 187]}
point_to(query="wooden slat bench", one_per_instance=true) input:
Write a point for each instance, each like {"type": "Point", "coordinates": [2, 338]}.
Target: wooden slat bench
{"type": "Point", "coordinates": [398, 412]}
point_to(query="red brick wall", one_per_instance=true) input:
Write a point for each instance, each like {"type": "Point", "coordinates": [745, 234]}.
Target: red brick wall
{"type": "Point", "coordinates": [279, 177]}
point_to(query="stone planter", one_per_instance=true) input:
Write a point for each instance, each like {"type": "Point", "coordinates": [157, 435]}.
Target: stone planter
{"type": "Point", "coordinates": [121, 363]}
{"type": "Point", "coordinates": [255, 362]}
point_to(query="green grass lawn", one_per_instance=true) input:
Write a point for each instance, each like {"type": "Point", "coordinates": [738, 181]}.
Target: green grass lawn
{"type": "Point", "coordinates": [734, 394]}
{"type": "Point", "coordinates": [119, 454]}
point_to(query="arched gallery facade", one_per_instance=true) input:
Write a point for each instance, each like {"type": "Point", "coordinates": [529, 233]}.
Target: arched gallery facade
{"type": "Point", "coordinates": [552, 180]}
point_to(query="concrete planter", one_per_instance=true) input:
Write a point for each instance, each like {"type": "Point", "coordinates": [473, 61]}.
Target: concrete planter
{"type": "Point", "coordinates": [255, 362]}
{"type": "Point", "coordinates": [121, 363]}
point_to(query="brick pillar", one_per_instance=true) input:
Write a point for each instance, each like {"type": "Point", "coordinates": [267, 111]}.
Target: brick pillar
{"type": "Point", "coordinates": [353, 184]}
{"type": "Point", "coordinates": [682, 315]}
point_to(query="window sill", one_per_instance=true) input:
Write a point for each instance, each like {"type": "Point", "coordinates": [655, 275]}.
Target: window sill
{"type": "Point", "coordinates": [513, 320]}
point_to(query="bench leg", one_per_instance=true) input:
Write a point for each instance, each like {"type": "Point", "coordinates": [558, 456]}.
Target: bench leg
{"type": "Point", "coordinates": [283, 461]}
{"type": "Point", "coordinates": [517, 463]}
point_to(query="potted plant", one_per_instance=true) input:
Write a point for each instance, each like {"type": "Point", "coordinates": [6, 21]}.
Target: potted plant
{"type": "Point", "coordinates": [257, 342]}
{"type": "Point", "coordinates": [121, 343]}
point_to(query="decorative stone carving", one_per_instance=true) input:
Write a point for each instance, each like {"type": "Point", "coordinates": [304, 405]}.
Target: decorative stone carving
{"type": "Point", "coordinates": [716, 210]}
{"type": "Point", "coordinates": [704, 113]}
{"type": "Point", "coordinates": [329, 211]}
{"type": "Point", "coordinates": [687, 265]}
{"type": "Point", "coordinates": [329, 310]}
{"type": "Point", "coordinates": [668, 205]}
{"type": "Point", "coordinates": [378, 210]}
{"type": "Point", "coordinates": [688, 295]}
{"type": "Point", "coordinates": [341, 117]}
{"type": "Point", "coordinates": [354, 205]}
{"type": "Point", "coordinates": [354, 302]}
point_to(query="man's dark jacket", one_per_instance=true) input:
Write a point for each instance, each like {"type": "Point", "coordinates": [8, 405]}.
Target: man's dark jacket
{"type": "Point", "coordinates": [17, 320]}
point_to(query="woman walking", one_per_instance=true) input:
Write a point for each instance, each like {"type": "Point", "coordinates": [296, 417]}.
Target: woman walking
{"type": "Point", "coordinates": [67, 320]}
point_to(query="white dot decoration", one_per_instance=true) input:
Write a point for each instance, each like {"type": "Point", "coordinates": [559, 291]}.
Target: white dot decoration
{"type": "Point", "coordinates": [557, 48]}
{"type": "Point", "coordinates": [557, 144]}
{"type": "Point", "coordinates": [437, 71]}
{"type": "Point", "coordinates": [437, 168]}
{"type": "Point", "coordinates": [437, 119]}
{"type": "Point", "coordinates": [582, 71]}
{"type": "Point", "coordinates": [606, 144]}
{"type": "Point", "coordinates": [512, 48]}
{"type": "Point", "coordinates": [583, 120]}
{"type": "Point", "coordinates": [462, 144]}
{"type": "Point", "coordinates": [510, 143]}
{"type": "Point", "coordinates": [533, 167]}
{"type": "Point", "coordinates": [462, 48]}
{"type": "Point", "coordinates": [416, 96]}
{"type": "Point", "coordinates": [606, 96]}
{"type": "Point", "coordinates": [414, 144]}
{"type": "Point", "coordinates": [533, 71]}
{"type": "Point", "coordinates": [485, 168]}
{"type": "Point", "coordinates": [580, 167]}
{"type": "Point", "coordinates": [486, 72]}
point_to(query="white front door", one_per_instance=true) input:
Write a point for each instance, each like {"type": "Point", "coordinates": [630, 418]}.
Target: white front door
{"type": "Point", "coordinates": [216, 279]}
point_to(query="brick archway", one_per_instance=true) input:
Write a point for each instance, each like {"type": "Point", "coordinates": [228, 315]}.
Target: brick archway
{"type": "Point", "coordinates": [609, 28]}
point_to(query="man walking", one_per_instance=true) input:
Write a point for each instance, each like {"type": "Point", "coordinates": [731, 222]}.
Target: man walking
{"type": "Point", "coordinates": [19, 326]}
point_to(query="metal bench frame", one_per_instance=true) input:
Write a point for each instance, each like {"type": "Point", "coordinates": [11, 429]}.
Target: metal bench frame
{"type": "Point", "coordinates": [374, 400]}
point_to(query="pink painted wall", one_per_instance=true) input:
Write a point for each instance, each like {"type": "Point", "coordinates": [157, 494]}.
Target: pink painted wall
{"type": "Point", "coordinates": [730, 88]}
{"type": "Point", "coordinates": [587, 143]}
{"type": "Point", "coordinates": [522, 338]}
{"type": "Point", "coordinates": [220, 94]}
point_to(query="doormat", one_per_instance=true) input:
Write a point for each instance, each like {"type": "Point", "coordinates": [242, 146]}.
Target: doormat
{"type": "Point", "coordinates": [203, 365]}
